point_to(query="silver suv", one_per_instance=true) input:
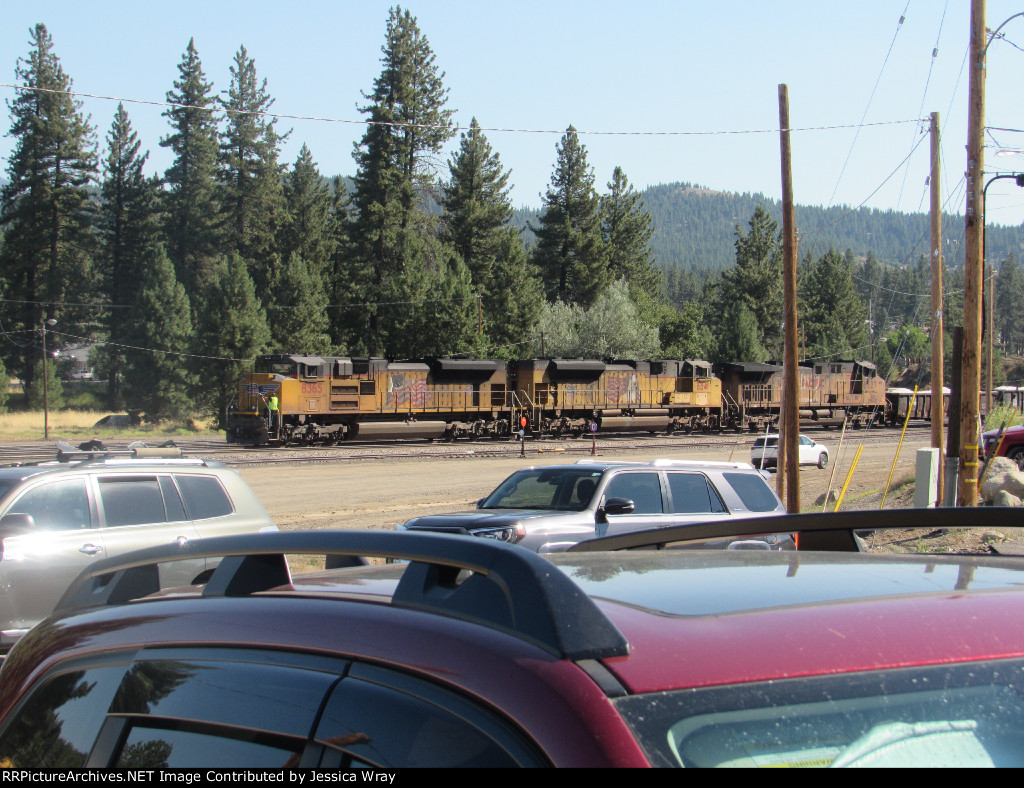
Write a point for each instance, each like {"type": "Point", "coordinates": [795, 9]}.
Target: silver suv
{"type": "Point", "coordinates": [58, 518]}
{"type": "Point", "coordinates": [549, 508]}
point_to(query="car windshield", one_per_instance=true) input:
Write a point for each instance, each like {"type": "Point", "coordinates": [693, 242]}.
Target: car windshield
{"type": "Point", "coordinates": [965, 715]}
{"type": "Point", "coordinates": [568, 489]}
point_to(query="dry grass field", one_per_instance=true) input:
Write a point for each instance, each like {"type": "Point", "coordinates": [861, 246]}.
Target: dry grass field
{"type": "Point", "coordinates": [73, 424]}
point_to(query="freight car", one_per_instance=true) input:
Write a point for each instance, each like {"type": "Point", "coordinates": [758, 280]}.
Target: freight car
{"type": "Point", "coordinates": [326, 399]}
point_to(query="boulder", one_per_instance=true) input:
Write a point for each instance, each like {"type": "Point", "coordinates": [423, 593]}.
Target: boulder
{"type": "Point", "coordinates": [1003, 476]}
{"type": "Point", "coordinates": [1003, 498]}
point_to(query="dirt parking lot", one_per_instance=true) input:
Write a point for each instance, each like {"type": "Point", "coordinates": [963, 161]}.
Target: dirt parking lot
{"type": "Point", "coordinates": [381, 493]}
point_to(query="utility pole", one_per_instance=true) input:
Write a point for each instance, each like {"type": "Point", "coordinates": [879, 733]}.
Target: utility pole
{"type": "Point", "coordinates": [990, 322]}
{"type": "Point", "coordinates": [790, 434]}
{"type": "Point", "coordinates": [970, 381]}
{"type": "Point", "coordinates": [937, 413]}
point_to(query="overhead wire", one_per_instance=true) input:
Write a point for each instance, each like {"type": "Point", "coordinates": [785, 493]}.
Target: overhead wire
{"type": "Point", "coordinates": [456, 127]}
{"type": "Point", "coordinates": [924, 96]}
{"type": "Point", "coordinates": [878, 80]}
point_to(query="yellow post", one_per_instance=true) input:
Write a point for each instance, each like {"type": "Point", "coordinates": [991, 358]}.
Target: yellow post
{"type": "Point", "coordinates": [835, 466]}
{"type": "Point", "coordinates": [849, 475]}
{"type": "Point", "coordinates": [903, 434]}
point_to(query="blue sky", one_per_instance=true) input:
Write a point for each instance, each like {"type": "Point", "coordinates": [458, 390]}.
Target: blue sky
{"type": "Point", "coordinates": [667, 77]}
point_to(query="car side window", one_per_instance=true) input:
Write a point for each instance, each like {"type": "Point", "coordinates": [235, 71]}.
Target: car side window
{"type": "Point", "coordinates": [172, 500]}
{"type": "Point", "coordinates": [56, 727]}
{"type": "Point", "coordinates": [204, 496]}
{"type": "Point", "coordinates": [56, 506]}
{"type": "Point", "coordinates": [643, 489]}
{"type": "Point", "coordinates": [131, 500]}
{"type": "Point", "coordinates": [692, 494]}
{"type": "Point", "coordinates": [181, 713]}
{"type": "Point", "coordinates": [388, 719]}
{"type": "Point", "coordinates": [752, 490]}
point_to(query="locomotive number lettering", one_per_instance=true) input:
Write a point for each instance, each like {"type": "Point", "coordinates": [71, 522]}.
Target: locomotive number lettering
{"type": "Point", "coordinates": [312, 388]}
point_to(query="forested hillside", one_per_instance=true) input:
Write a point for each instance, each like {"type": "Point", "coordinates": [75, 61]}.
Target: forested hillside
{"type": "Point", "coordinates": [178, 281]}
{"type": "Point", "coordinates": [695, 227]}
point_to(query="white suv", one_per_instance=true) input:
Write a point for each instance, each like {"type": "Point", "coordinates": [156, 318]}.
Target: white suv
{"type": "Point", "coordinates": [58, 518]}
{"type": "Point", "coordinates": [764, 452]}
{"type": "Point", "coordinates": [547, 508]}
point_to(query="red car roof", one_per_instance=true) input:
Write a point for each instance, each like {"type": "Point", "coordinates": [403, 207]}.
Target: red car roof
{"type": "Point", "coordinates": [721, 618]}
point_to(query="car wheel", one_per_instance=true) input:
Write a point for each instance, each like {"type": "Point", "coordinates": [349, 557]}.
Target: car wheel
{"type": "Point", "coordinates": [823, 459]}
{"type": "Point", "coordinates": [1017, 455]}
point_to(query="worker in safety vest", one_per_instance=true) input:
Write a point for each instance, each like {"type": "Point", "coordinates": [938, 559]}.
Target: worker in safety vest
{"type": "Point", "coordinates": [272, 406]}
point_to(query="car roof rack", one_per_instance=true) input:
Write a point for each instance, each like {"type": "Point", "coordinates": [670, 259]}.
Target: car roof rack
{"type": "Point", "coordinates": [818, 531]}
{"type": "Point", "coordinates": [665, 463]}
{"type": "Point", "coordinates": [510, 589]}
{"type": "Point", "coordinates": [94, 450]}
{"type": "Point", "coordinates": [699, 464]}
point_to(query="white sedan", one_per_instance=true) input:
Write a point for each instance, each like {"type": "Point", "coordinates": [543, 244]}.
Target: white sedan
{"type": "Point", "coordinates": [764, 452]}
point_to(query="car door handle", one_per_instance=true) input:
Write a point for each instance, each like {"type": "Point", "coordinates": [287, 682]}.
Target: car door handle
{"type": "Point", "coordinates": [90, 549]}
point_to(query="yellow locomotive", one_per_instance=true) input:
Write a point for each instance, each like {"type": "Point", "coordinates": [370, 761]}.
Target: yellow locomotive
{"type": "Point", "coordinates": [325, 399]}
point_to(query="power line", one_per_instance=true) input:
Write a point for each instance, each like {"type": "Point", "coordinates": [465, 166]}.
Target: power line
{"type": "Point", "coordinates": [881, 71]}
{"type": "Point", "coordinates": [457, 128]}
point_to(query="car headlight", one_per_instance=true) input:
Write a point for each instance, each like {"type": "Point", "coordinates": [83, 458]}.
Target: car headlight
{"type": "Point", "coordinates": [506, 533]}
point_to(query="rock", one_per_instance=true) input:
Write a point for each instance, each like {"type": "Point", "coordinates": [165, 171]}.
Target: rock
{"type": "Point", "coordinates": [1003, 498]}
{"type": "Point", "coordinates": [1003, 475]}
{"type": "Point", "coordinates": [114, 420]}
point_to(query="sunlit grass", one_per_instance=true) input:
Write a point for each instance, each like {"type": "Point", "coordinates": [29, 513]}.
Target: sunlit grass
{"type": "Point", "coordinates": [1002, 413]}
{"type": "Point", "coordinates": [78, 424]}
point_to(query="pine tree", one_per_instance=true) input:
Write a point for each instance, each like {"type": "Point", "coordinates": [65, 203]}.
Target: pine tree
{"type": "Point", "coordinates": [192, 211]}
{"type": "Point", "coordinates": [299, 320]}
{"type": "Point", "coordinates": [627, 229]}
{"type": "Point", "coordinates": [232, 332]}
{"type": "Point", "coordinates": [347, 277]}
{"type": "Point", "coordinates": [408, 125]}
{"type": "Point", "coordinates": [756, 283]}
{"type": "Point", "coordinates": [832, 313]}
{"type": "Point", "coordinates": [251, 195]}
{"type": "Point", "coordinates": [4, 390]}
{"type": "Point", "coordinates": [1009, 317]}
{"type": "Point", "coordinates": [570, 252]}
{"type": "Point", "coordinates": [54, 396]}
{"type": "Point", "coordinates": [45, 206]}
{"type": "Point", "coordinates": [158, 380]}
{"type": "Point", "coordinates": [477, 206]}
{"type": "Point", "coordinates": [129, 230]}
{"type": "Point", "coordinates": [512, 306]}
{"type": "Point", "coordinates": [451, 311]}
{"type": "Point", "coordinates": [307, 229]}
{"type": "Point", "coordinates": [739, 338]}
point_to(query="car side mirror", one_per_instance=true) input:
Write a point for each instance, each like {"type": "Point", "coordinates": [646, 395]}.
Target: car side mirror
{"type": "Point", "coordinates": [16, 523]}
{"type": "Point", "coordinates": [618, 506]}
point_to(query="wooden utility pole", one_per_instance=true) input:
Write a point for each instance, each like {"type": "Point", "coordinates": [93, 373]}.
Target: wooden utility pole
{"type": "Point", "coordinates": [970, 381]}
{"type": "Point", "coordinates": [937, 413]}
{"type": "Point", "coordinates": [791, 378]}
{"type": "Point", "coordinates": [990, 321]}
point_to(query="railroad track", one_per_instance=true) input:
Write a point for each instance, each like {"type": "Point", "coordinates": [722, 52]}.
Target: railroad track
{"type": "Point", "coordinates": [238, 456]}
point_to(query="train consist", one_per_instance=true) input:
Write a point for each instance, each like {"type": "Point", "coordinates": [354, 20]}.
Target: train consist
{"type": "Point", "coordinates": [328, 399]}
